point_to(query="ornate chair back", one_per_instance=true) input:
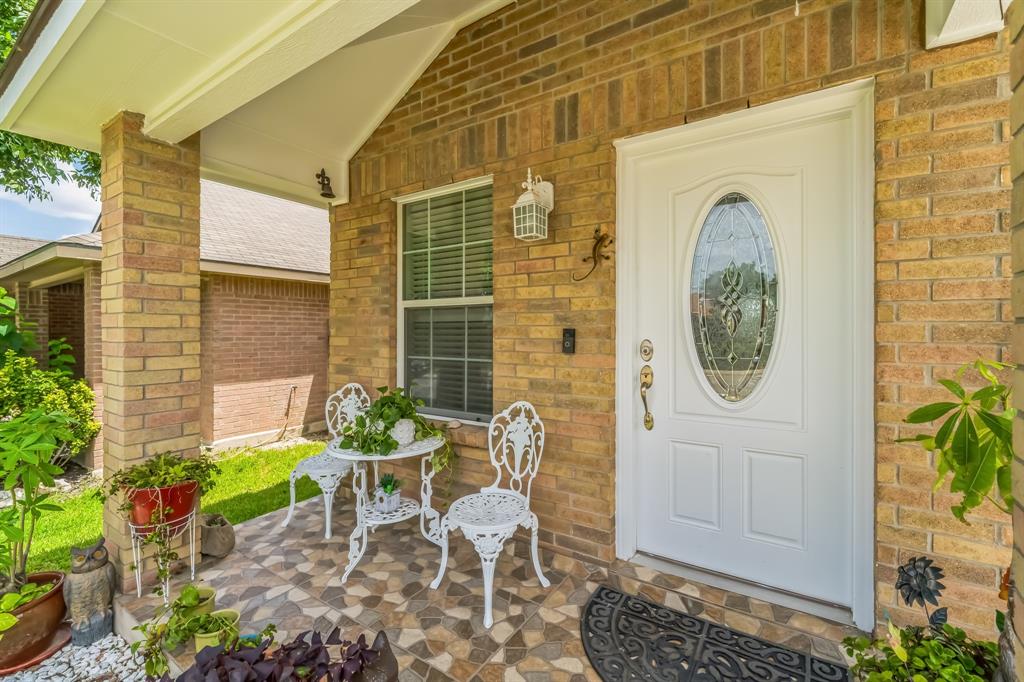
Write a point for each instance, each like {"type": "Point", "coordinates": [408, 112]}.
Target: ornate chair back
{"type": "Point", "coordinates": [343, 406]}
{"type": "Point", "coordinates": [516, 442]}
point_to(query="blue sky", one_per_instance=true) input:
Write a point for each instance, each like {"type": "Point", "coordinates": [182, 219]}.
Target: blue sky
{"type": "Point", "coordinates": [71, 211]}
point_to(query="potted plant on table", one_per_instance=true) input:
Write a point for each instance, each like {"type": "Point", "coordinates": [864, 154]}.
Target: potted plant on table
{"type": "Point", "coordinates": [31, 605]}
{"type": "Point", "coordinates": [388, 495]}
{"type": "Point", "coordinates": [385, 425]}
{"type": "Point", "coordinates": [157, 496]}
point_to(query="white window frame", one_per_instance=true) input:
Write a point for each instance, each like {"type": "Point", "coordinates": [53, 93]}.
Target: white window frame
{"type": "Point", "coordinates": [402, 305]}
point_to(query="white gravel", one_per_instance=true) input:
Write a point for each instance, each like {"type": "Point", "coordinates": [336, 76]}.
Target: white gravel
{"type": "Point", "coordinates": [108, 660]}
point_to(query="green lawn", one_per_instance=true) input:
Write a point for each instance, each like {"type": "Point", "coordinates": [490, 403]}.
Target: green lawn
{"type": "Point", "coordinates": [251, 483]}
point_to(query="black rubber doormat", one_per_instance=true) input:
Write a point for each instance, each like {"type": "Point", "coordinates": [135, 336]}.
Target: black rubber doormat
{"type": "Point", "coordinates": [631, 638]}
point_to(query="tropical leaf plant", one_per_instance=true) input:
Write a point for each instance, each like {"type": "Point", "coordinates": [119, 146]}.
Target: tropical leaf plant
{"type": "Point", "coordinates": [974, 441]}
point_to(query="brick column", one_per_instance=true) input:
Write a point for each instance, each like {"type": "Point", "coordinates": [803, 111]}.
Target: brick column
{"type": "Point", "coordinates": [149, 303]}
{"type": "Point", "coordinates": [91, 356]}
{"type": "Point", "coordinates": [1015, 20]}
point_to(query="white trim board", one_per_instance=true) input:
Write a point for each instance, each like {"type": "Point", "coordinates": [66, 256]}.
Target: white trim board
{"type": "Point", "coordinates": [857, 100]}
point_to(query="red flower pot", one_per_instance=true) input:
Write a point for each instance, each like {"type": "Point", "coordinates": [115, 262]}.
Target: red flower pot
{"type": "Point", "coordinates": [176, 501]}
{"type": "Point", "coordinates": [38, 622]}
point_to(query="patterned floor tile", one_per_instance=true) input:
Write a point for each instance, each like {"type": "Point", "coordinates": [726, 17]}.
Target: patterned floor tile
{"type": "Point", "coordinates": [291, 576]}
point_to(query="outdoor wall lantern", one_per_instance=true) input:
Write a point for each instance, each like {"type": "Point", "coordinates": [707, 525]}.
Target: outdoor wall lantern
{"type": "Point", "coordinates": [325, 184]}
{"type": "Point", "coordinates": [530, 213]}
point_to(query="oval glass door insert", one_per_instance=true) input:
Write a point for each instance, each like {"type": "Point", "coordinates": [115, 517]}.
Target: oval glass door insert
{"type": "Point", "coordinates": [734, 297]}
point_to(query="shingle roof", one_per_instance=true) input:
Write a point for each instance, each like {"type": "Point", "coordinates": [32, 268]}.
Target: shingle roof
{"type": "Point", "coordinates": [12, 246]}
{"type": "Point", "coordinates": [240, 226]}
{"type": "Point", "coordinates": [237, 226]}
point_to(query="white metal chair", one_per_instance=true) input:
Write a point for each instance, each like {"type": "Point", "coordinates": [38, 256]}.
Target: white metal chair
{"type": "Point", "coordinates": [326, 471]}
{"type": "Point", "coordinates": [490, 517]}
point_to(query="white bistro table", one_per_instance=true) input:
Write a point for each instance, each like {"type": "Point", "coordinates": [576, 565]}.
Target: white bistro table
{"type": "Point", "coordinates": [368, 518]}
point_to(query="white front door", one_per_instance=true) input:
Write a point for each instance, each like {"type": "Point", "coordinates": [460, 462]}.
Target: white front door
{"type": "Point", "coordinates": [746, 280]}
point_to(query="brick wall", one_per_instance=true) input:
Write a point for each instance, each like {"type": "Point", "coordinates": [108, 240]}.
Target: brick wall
{"type": "Point", "coordinates": [92, 354]}
{"type": "Point", "coordinates": [149, 301]}
{"type": "Point", "coordinates": [552, 84]}
{"type": "Point", "coordinates": [67, 319]}
{"type": "Point", "coordinates": [262, 337]}
{"type": "Point", "coordinates": [35, 310]}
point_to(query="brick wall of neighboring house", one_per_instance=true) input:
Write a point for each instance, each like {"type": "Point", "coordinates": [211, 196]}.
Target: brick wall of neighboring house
{"type": "Point", "coordinates": [552, 84]}
{"type": "Point", "coordinates": [67, 319]}
{"type": "Point", "coordinates": [261, 337]}
{"type": "Point", "coordinates": [35, 309]}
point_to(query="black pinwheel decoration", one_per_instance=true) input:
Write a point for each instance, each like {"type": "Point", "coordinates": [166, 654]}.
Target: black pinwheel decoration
{"type": "Point", "coordinates": [919, 582]}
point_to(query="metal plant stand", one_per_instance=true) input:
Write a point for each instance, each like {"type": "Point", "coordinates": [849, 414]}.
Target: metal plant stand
{"type": "Point", "coordinates": [186, 524]}
{"type": "Point", "coordinates": [367, 517]}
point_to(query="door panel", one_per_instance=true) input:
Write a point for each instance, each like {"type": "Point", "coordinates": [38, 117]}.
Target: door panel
{"type": "Point", "coordinates": [747, 469]}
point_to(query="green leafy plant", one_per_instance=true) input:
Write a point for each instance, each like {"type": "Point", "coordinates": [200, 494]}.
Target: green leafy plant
{"type": "Point", "coordinates": [27, 446]}
{"type": "Point", "coordinates": [974, 443]}
{"type": "Point", "coordinates": [918, 654]}
{"type": "Point", "coordinates": [389, 484]}
{"type": "Point", "coordinates": [16, 334]}
{"type": "Point", "coordinates": [370, 432]}
{"type": "Point", "coordinates": [162, 471]}
{"type": "Point", "coordinates": [13, 600]}
{"type": "Point", "coordinates": [60, 357]}
{"type": "Point", "coordinates": [175, 624]}
{"type": "Point", "coordinates": [921, 654]}
{"type": "Point", "coordinates": [23, 386]}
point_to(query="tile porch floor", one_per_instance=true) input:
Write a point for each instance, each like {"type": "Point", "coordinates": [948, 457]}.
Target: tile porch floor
{"type": "Point", "coordinates": [291, 576]}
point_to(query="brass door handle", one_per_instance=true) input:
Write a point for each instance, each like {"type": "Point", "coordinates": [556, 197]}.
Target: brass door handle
{"type": "Point", "coordinates": [646, 380]}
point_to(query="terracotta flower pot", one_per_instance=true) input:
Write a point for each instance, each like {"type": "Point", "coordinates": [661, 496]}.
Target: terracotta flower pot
{"type": "Point", "coordinates": [177, 501]}
{"type": "Point", "coordinates": [38, 621]}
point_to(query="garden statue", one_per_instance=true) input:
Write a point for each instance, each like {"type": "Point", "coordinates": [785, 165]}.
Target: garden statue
{"type": "Point", "coordinates": [89, 592]}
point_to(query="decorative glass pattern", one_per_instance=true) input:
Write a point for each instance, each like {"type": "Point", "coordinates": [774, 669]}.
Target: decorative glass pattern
{"type": "Point", "coordinates": [734, 297]}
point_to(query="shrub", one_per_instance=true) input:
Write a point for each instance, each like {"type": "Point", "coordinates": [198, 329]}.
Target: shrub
{"type": "Point", "coordinates": [24, 386]}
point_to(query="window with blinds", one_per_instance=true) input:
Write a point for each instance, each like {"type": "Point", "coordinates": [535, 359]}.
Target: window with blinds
{"type": "Point", "coordinates": [446, 302]}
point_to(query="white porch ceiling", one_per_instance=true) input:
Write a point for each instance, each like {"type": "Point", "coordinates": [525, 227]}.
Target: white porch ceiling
{"type": "Point", "coordinates": [278, 88]}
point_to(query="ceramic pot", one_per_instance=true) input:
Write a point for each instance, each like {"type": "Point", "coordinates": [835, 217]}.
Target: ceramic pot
{"type": "Point", "coordinates": [177, 501]}
{"type": "Point", "coordinates": [404, 432]}
{"type": "Point", "coordinates": [218, 536]}
{"type": "Point", "coordinates": [207, 600]}
{"type": "Point", "coordinates": [205, 639]}
{"type": "Point", "coordinates": [38, 621]}
{"type": "Point", "coordinates": [385, 503]}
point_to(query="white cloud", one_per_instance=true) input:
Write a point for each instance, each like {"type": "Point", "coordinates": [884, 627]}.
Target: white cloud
{"type": "Point", "coordinates": [68, 201]}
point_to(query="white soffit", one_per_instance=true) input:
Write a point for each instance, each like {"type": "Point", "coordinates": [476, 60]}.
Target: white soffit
{"type": "Point", "coordinates": [954, 21]}
{"type": "Point", "coordinates": [279, 88]}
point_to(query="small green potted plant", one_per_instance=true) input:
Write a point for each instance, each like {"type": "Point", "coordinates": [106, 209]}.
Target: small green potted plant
{"type": "Point", "coordinates": [190, 616]}
{"type": "Point", "coordinates": [213, 629]}
{"type": "Point", "coordinates": [387, 497]}
{"type": "Point", "coordinates": [195, 600]}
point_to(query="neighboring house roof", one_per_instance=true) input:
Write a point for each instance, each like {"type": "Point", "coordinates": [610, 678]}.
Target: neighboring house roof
{"type": "Point", "coordinates": [12, 246]}
{"type": "Point", "coordinates": [240, 231]}
{"type": "Point", "coordinates": [249, 228]}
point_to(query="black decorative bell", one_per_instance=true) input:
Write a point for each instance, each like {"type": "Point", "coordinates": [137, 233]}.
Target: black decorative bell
{"type": "Point", "coordinates": [325, 184]}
